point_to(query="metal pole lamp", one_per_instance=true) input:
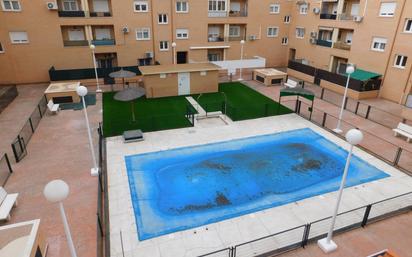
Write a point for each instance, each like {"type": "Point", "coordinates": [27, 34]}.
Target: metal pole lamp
{"type": "Point", "coordinates": [242, 43]}
{"type": "Point", "coordinates": [93, 47]}
{"type": "Point", "coordinates": [82, 92]}
{"type": "Point", "coordinates": [349, 70]}
{"type": "Point", "coordinates": [174, 52]}
{"type": "Point", "coordinates": [56, 191]}
{"type": "Point", "coordinates": [354, 137]}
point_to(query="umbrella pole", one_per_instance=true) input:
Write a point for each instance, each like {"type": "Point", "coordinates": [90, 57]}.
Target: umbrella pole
{"type": "Point", "coordinates": [133, 115]}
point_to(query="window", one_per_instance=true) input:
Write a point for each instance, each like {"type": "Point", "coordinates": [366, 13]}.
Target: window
{"type": "Point", "coordinates": [163, 75]}
{"type": "Point", "coordinates": [164, 45]}
{"type": "Point", "coordinates": [400, 61]}
{"type": "Point", "coordinates": [11, 5]}
{"type": "Point", "coordinates": [303, 9]}
{"type": "Point", "coordinates": [408, 26]}
{"type": "Point", "coordinates": [76, 35]}
{"type": "Point", "coordinates": [234, 31]}
{"type": "Point", "coordinates": [19, 37]}
{"type": "Point", "coordinates": [162, 19]}
{"type": "Point", "coordinates": [142, 34]}
{"type": "Point", "coordinates": [1, 48]}
{"type": "Point", "coordinates": [182, 6]}
{"type": "Point", "coordinates": [274, 8]}
{"type": "Point", "coordinates": [70, 5]}
{"type": "Point", "coordinates": [217, 5]}
{"type": "Point", "coordinates": [387, 9]}
{"type": "Point", "coordinates": [285, 41]}
{"type": "Point", "coordinates": [272, 31]}
{"type": "Point", "coordinates": [203, 73]}
{"type": "Point", "coordinates": [379, 44]}
{"type": "Point", "coordinates": [102, 34]}
{"type": "Point", "coordinates": [286, 19]}
{"type": "Point", "coordinates": [300, 32]}
{"type": "Point", "coordinates": [141, 6]}
{"type": "Point", "coordinates": [182, 33]}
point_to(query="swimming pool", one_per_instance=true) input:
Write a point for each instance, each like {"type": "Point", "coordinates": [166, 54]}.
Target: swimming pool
{"type": "Point", "coordinates": [188, 187]}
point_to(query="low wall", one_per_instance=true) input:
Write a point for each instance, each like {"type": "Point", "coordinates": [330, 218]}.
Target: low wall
{"type": "Point", "coordinates": [300, 75]}
{"type": "Point", "coordinates": [351, 93]}
{"type": "Point", "coordinates": [232, 65]}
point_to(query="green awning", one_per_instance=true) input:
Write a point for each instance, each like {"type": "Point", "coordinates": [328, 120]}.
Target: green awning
{"type": "Point", "coordinates": [297, 91]}
{"type": "Point", "coordinates": [364, 75]}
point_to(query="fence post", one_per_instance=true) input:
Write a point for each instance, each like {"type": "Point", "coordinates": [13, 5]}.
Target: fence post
{"type": "Point", "coordinates": [100, 225]}
{"type": "Point", "coordinates": [324, 119]}
{"type": "Point", "coordinates": [357, 107]}
{"type": "Point", "coordinates": [322, 93]}
{"type": "Point", "coordinates": [305, 237]}
{"type": "Point", "coordinates": [31, 125]}
{"type": "Point", "coordinates": [38, 108]}
{"type": "Point", "coordinates": [8, 163]}
{"type": "Point", "coordinates": [346, 103]}
{"type": "Point", "coordinates": [397, 156]}
{"type": "Point", "coordinates": [366, 215]}
{"type": "Point", "coordinates": [368, 111]}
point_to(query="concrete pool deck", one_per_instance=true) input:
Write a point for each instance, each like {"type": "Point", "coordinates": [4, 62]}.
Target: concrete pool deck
{"type": "Point", "coordinates": [240, 229]}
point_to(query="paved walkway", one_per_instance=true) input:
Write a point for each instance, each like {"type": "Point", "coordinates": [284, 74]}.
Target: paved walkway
{"type": "Point", "coordinates": [58, 150]}
{"type": "Point", "coordinates": [393, 234]}
{"type": "Point", "coordinates": [13, 118]}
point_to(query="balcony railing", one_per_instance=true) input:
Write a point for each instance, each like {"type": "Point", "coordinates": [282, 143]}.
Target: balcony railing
{"type": "Point", "coordinates": [71, 14]}
{"type": "Point", "coordinates": [104, 42]}
{"type": "Point", "coordinates": [324, 43]}
{"type": "Point", "coordinates": [100, 14]}
{"type": "Point", "coordinates": [328, 16]}
{"type": "Point", "coordinates": [215, 39]}
{"type": "Point", "coordinates": [237, 13]}
{"type": "Point", "coordinates": [341, 45]}
{"type": "Point", "coordinates": [76, 43]}
{"type": "Point", "coordinates": [217, 13]}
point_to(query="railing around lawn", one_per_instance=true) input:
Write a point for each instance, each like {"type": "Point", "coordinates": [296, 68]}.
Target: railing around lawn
{"type": "Point", "coordinates": [19, 145]}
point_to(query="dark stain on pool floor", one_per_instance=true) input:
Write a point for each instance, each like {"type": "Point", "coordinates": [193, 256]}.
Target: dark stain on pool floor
{"type": "Point", "coordinates": [307, 165]}
{"type": "Point", "coordinates": [220, 200]}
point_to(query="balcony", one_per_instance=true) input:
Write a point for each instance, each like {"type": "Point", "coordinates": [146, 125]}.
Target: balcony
{"type": "Point", "coordinates": [104, 42]}
{"type": "Point", "coordinates": [328, 16]}
{"type": "Point", "coordinates": [342, 45]}
{"type": "Point", "coordinates": [237, 13]}
{"type": "Point", "coordinates": [100, 8]}
{"type": "Point", "coordinates": [100, 14]}
{"type": "Point", "coordinates": [212, 38]}
{"type": "Point", "coordinates": [324, 43]}
{"type": "Point", "coordinates": [71, 14]}
{"type": "Point", "coordinates": [217, 14]}
{"type": "Point", "coordinates": [238, 8]}
{"type": "Point", "coordinates": [76, 43]}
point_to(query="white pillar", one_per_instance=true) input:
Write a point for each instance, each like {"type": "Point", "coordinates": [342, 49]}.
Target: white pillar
{"type": "Point", "coordinates": [67, 231]}
{"type": "Point", "coordinates": [95, 170]}
{"type": "Point", "coordinates": [349, 70]}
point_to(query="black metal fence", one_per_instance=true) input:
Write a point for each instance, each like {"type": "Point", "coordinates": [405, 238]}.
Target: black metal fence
{"type": "Point", "coordinates": [89, 73]}
{"type": "Point", "coordinates": [5, 169]}
{"type": "Point", "coordinates": [362, 109]}
{"type": "Point", "coordinates": [103, 225]}
{"type": "Point", "coordinates": [20, 142]}
{"type": "Point", "coordinates": [300, 236]}
{"type": "Point", "coordinates": [7, 95]}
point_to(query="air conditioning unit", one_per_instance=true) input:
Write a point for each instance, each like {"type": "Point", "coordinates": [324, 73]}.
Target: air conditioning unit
{"type": "Point", "coordinates": [357, 18]}
{"type": "Point", "coordinates": [125, 30]}
{"type": "Point", "coordinates": [316, 10]}
{"type": "Point", "coordinates": [51, 5]}
{"type": "Point", "coordinates": [313, 41]}
{"type": "Point", "coordinates": [149, 54]}
{"type": "Point", "coordinates": [252, 37]}
{"type": "Point", "coordinates": [313, 34]}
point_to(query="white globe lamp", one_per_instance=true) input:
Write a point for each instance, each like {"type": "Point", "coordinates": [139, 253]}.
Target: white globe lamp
{"type": "Point", "coordinates": [354, 136]}
{"type": "Point", "coordinates": [56, 191]}
{"type": "Point", "coordinates": [81, 91]}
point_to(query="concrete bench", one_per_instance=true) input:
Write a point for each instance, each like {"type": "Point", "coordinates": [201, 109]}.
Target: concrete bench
{"type": "Point", "coordinates": [291, 83]}
{"type": "Point", "coordinates": [7, 203]}
{"type": "Point", "coordinates": [404, 130]}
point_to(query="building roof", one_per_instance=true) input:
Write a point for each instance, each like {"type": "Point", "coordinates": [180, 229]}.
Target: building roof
{"type": "Point", "coordinates": [175, 68]}
{"type": "Point", "coordinates": [364, 75]}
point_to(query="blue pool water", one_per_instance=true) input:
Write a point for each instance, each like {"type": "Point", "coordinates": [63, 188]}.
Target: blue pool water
{"type": "Point", "coordinates": [188, 187]}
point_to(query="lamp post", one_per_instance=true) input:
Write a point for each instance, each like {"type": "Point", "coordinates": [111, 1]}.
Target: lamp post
{"type": "Point", "coordinates": [349, 70]}
{"type": "Point", "coordinates": [174, 52]}
{"type": "Point", "coordinates": [82, 92]}
{"type": "Point", "coordinates": [93, 47]}
{"type": "Point", "coordinates": [354, 137]}
{"type": "Point", "coordinates": [242, 43]}
{"type": "Point", "coordinates": [56, 191]}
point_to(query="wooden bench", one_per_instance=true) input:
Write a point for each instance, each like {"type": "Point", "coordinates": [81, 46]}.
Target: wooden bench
{"type": "Point", "coordinates": [7, 201]}
{"type": "Point", "coordinates": [404, 130]}
{"type": "Point", "coordinates": [291, 83]}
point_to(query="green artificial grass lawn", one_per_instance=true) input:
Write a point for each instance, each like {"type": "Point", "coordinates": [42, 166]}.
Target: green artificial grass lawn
{"type": "Point", "coordinates": [169, 112]}
{"type": "Point", "coordinates": [242, 102]}
{"type": "Point", "coordinates": [151, 114]}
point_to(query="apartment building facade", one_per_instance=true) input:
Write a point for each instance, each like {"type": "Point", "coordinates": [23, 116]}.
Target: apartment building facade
{"type": "Point", "coordinates": [374, 35]}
